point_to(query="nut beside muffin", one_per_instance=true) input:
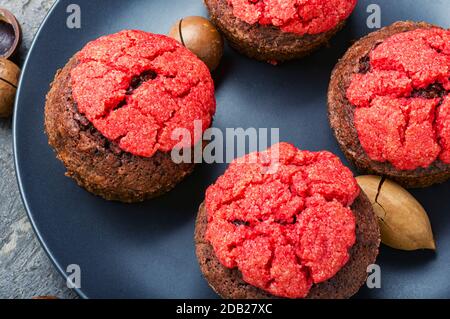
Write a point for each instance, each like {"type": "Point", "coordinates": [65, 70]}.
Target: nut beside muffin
{"type": "Point", "coordinates": [112, 109]}
{"type": "Point", "coordinates": [277, 31]}
{"type": "Point", "coordinates": [389, 103]}
{"type": "Point", "coordinates": [286, 223]}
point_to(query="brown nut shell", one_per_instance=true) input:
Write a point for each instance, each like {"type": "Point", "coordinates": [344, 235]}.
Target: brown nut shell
{"type": "Point", "coordinates": [9, 78]}
{"type": "Point", "coordinates": [404, 224]}
{"type": "Point", "coordinates": [201, 37]}
{"type": "Point", "coordinates": [10, 34]}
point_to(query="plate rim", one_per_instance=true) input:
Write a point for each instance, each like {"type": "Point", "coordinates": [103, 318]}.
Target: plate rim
{"type": "Point", "coordinates": [17, 170]}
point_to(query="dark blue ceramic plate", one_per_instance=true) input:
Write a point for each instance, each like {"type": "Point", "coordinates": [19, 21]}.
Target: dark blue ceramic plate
{"type": "Point", "coordinates": [147, 250]}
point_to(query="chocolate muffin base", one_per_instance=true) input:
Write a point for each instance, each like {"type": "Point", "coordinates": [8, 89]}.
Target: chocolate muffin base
{"type": "Point", "coordinates": [264, 43]}
{"type": "Point", "coordinates": [98, 164]}
{"type": "Point", "coordinates": [228, 283]}
{"type": "Point", "coordinates": [341, 113]}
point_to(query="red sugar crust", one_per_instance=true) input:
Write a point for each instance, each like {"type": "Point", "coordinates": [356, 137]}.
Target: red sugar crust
{"type": "Point", "coordinates": [284, 224]}
{"type": "Point", "coordinates": [396, 117]}
{"type": "Point", "coordinates": [443, 127]}
{"type": "Point", "coordinates": [136, 88]}
{"type": "Point", "coordinates": [296, 16]}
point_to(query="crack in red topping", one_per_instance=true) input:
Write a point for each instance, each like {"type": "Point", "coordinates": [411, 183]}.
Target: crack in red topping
{"type": "Point", "coordinates": [284, 224]}
{"type": "Point", "coordinates": [402, 100]}
{"type": "Point", "coordinates": [297, 16]}
{"type": "Point", "coordinates": [136, 88]}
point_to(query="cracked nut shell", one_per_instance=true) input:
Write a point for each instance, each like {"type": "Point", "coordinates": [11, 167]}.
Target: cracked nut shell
{"type": "Point", "coordinates": [10, 34]}
{"type": "Point", "coordinates": [9, 78]}
{"type": "Point", "coordinates": [404, 224]}
{"type": "Point", "coordinates": [201, 37]}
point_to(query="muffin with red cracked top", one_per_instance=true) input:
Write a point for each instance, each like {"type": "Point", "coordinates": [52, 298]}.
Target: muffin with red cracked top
{"type": "Point", "coordinates": [276, 31]}
{"type": "Point", "coordinates": [286, 223]}
{"type": "Point", "coordinates": [113, 111]}
{"type": "Point", "coordinates": [389, 103]}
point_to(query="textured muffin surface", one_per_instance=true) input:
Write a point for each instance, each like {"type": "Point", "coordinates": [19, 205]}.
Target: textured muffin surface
{"type": "Point", "coordinates": [275, 38]}
{"type": "Point", "coordinates": [113, 134]}
{"type": "Point", "coordinates": [401, 113]}
{"type": "Point", "coordinates": [402, 100]}
{"type": "Point", "coordinates": [137, 88]}
{"type": "Point", "coordinates": [283, 218]}
{"type": "Point", "coordinates": [296, 16]}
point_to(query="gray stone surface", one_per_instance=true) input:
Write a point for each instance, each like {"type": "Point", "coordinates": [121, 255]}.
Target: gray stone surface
{"type": "Point", "coordinates": [25, 270]}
